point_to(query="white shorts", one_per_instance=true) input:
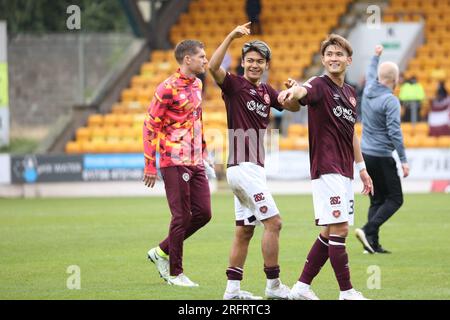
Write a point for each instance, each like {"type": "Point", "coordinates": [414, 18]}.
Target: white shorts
{"type": "Point", "coordinates": [333, 199]}
{"type": "Point", "coordinates": [252, 199]}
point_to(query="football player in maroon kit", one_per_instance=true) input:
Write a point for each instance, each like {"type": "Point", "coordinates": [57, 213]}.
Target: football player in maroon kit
{"type": "Point", "coordinates": [333, 148]}
{"type": "Point", "coordinates": [248, 102]}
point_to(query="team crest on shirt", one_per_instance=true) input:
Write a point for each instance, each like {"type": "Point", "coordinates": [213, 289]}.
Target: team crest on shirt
{"type": "Point", "coordinates": [185, 176]}
{"type": "Point", "coordinates": [266, 98]}
{"type": "Point", "coordinates": [337, 111]}
{"type": "Point", "coordinates": [253, 92]}
{"type": "Point", "coordinates": [353, 101]}
{"type": "Point", "coordinates": [263, 209]}
{"type": "Point", "coordinates": [336, 213]}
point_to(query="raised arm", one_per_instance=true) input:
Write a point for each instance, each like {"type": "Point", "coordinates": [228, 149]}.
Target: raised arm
{"type": "Point", "coordinates": [372, 69]}
{"type": "Point", "coordinates": [218, 72]}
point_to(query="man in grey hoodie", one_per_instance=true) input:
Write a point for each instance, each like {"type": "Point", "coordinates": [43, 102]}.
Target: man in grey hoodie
{"type": "Point", "coordinates": [380, 137]}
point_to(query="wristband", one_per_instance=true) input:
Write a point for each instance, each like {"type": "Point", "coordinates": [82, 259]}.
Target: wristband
{"type": "Point", "coordinates": [361, 166]}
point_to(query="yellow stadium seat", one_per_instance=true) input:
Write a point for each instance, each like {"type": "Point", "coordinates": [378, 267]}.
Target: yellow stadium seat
{"type": "Point", "coordinates": [95, 120]}
{"type": "Point", "coordinates": [358, 129]}
{"type": "Point", "coordinates": [73, 147]}
{"type": "Point", "coordinates": [301, 143]}
{"type": "Point", "coordinates": [125, 120]}
{"type": "Point", "coordinates": [111, 119]}
{"type": "Point", "coordinates": [129, 94]}
{"type": "Point", "coordinates": [98, 132]}
{"type": "Point", "coordinates": [429, 142]}
{"type": "Point", "coordinates": [112, 132]}
{"type": "Point", "coordinates": [287, 143]}
{"type": "Point", "coordinates": [421, 128]}
{"type": "Point", "coordinates": [443, 142]}
{"type": "Point", "coordinates": [83, 134]}
{"type": "Point", "coordinates": [296, 130]}
{"type": "Point", "coordinates": [407, 128]}
{"type": "Point", "coordinates": [88, 147]}
{"type": "Point", "coordinates": [409, 141]}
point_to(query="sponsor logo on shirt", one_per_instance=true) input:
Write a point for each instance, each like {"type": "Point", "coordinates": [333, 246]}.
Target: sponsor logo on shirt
{"type": "Point", "coordinates": [260, 108]}
{"type": "Point", "coordinates": [345, 113]}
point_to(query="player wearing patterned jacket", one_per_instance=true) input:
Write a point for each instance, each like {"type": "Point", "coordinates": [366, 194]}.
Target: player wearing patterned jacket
{"type": "Point", "coordinates": [173, 130]}
{"type": "Point", "coordinates": [248, 103]}
{"type": "Point", "coordinates": [333, 147]}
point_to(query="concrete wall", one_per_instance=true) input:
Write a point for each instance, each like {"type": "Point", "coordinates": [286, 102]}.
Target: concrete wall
{"type": "Point", "coordinates": [44, 74]}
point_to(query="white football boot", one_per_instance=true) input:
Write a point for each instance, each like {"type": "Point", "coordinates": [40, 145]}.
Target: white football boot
{"type": "Point", "coordinates": [279, 292]}
{"type": "Point", "coordinates": [161, 263]}
{"type": "Point", "coordinates": [351, 294]}
{"type": "Point", "coordinates": [240, 295]}
{"type": "Point", "coordinates": [181, 280]}
{"type": "Point", "coordinates": [302, 292]}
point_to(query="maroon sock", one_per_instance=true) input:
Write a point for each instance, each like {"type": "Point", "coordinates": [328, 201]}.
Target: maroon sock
{"type": "Point", "coordinates": [339, 261]}
{"type": "Point", "coordinates": [235, 273]}
{"type": "Point", "coordinates": [272, 272]}
{"type": "Point", "coordinates": [317, 257]}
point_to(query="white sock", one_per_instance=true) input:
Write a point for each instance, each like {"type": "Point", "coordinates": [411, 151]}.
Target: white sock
{"type": "Point", "coordinates": [272, 283]}
{"type": "Point", "coordinates": [233, 285]}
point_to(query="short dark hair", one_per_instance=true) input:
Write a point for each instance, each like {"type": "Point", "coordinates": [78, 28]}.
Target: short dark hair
{"type": "Point", "coordinates": [258, 46]}
{"type": "Point", "coordinates": [336, 40]}
{"type": "Point", "coordinates": [187, 47]}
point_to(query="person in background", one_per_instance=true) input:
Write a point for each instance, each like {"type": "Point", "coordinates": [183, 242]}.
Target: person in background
{"type": "Point", "coordinates": [381, 135]}
{"type": "Point", "coordinates": [439, 116]}
{"type": "Point", "coordinates": [253, 9]}
{"type": "Point", "coordinates": [411, 96]}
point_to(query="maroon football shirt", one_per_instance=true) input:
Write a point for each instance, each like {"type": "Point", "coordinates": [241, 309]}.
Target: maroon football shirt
{"type": "Point", "coordinates": [331, 120]}
{"type": "Point", "coordinates": [248, 110]}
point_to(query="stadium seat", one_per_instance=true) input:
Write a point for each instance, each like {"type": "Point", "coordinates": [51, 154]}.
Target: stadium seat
{"type": "Point", "coordinates": [83, 134]}
{"type": "Point", "coordinates": [421, 128]}
{"type": "Point", "coordinates": [407, 128]}
{"type": "Point", "coordinates": [297, 130]}
{"type": "Point", "coordinates": [95, 120]}
{"type": "Point", "coordinates": [73, 147]}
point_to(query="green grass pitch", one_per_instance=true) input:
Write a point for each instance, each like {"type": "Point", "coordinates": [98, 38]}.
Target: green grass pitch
{"type": "Point", "coordinates": [109, 238]}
